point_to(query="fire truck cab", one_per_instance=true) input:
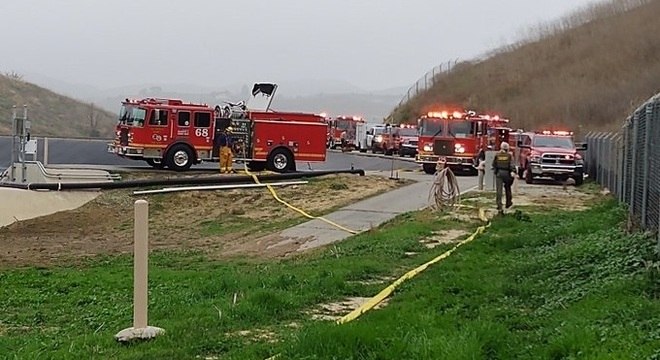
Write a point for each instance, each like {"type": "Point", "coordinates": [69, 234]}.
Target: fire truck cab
{"type": "Point", "coordinates": [173, 134]}
{"type": "Point", "coordinates": [455, 138]}
{"type": "Point", "coordinates": [550, 154]}
{"type": "Point", "coordinates": [343, 132]}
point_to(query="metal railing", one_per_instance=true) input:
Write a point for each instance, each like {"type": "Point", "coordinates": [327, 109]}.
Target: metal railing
{"type": "Point", "coordinates": [628, 164]}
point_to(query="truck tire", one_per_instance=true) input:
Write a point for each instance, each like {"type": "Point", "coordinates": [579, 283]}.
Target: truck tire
{"type": "Point", "coordinates": [256, 165]}
{"type": "Point", "coordinates": [429, 168]}
{"type": "Point", "coordinates": [155, 163]}
{"type": "Point", "coordinates": [579, 179]}
{"type": "Point", "coordinates": [180, 157]}
{"type": "Point", "coordinates": [529, 177]}
{"type": "Point", "coordinates": [281, 160]}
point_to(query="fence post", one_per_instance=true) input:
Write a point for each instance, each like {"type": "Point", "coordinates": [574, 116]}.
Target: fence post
{"type": "Point", "coordinates": [45, 151]}
{"type": "Point", "coordinates": [619, 168]}
{"type": "Point", "coordinates": [646, 164]}
{"type": "Point", "coordinates": [611, 163]}
{"type": "Point", "coordinates": [587, 155]}
{"type": "Point", "coordinates": [140, 329]}
{"type": "Point", "coordinates": [599, 161]}
{"type": "Point", "coordinates": [633, 178]}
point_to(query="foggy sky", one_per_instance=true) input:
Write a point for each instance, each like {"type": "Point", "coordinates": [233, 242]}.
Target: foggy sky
{"type": "Point", "coordinates": [373, 44]}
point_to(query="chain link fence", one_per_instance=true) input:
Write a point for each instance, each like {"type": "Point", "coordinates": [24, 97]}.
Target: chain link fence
{"type": "Point", "coordinates": [628, 164]}
{"type": "Point", "coordinates": [427, 81]}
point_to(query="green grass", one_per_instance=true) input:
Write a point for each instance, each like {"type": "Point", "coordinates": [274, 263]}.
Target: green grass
{"type": "Point", "coordinates": [559, 286]}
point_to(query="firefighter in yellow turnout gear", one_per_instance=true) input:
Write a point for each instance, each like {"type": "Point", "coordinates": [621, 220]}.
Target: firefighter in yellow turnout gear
{"type": "Point", "coordinates": [504, 175]}
{"type": "Point", "coordinates": [226, 155]}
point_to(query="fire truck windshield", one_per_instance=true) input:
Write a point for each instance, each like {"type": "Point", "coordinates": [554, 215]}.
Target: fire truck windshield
{"type": "Point", "coordinates": [431, 127]}
{"type": "Point", "coordinates": [461, 128]}
{"type": "Point", "coordinates": [343, 124]}
{"type": "Point", "coordinates": [132, 115]}
{"type": "Point", "coordinates": [553, 141]}
{"type": "Point", "coordinates": [407, 132]}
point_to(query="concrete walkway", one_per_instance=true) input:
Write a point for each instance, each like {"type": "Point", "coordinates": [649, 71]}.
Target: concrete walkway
{"type": "Point", "coordinates": [362, 215]}
{"type": "Point", "coordinates": [20, 204]}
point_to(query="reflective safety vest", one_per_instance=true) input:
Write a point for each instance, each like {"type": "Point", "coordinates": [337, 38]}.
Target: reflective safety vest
{"type": "Point", "coordinates": [503, 161]}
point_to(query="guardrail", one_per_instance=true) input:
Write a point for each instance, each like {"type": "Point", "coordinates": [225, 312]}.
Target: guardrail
{"type": "Point", "coordinates": [627, 163]}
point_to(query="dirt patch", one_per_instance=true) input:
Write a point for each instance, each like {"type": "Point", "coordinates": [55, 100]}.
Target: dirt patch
{"type": "Point", "coordinates": [538, 197]}
{"type": "Point", "coordinates": [209, 220]}
{"type": "Point", "coordinates": [375, 281]}
{"type": "Point", "coordinates": [335, 311]}
{"type": "Point", "coordinates": [561, 197]}
{"type": "Point", "coordinates": [258, 335]}
{"type": "Point", "coordinates": [442, 237]}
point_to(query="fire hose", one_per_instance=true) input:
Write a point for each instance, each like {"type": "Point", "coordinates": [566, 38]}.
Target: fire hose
{"type": "Point", "coordinates": [209, 180]}
{"type": "Point", "coordinates": [444, 192]}
{"type": "Point", "coordinates": [300, 211]}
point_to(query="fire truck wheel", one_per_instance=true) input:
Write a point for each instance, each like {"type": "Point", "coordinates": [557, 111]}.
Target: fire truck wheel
{"type": "Point", "coordinates": [280, 160]}
{"type": "Point", "coordinates": [429, 168]}
{"type": "Point", "coordinates": [156, 164]}
{"type": "Point", "coordinates": [179, 157]}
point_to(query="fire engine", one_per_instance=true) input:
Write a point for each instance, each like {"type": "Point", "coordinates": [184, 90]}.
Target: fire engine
{"type": "Point", "coordinates": [173, 134]}
{"type": "Point", "coordinates": [346, 125]}
{"type": "Point", "coordinates": [455, 138]}
{"type": "Point", "coordinates": [550, 154]}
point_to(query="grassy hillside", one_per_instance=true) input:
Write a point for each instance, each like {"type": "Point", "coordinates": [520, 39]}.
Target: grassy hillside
{"type": "Point", "coordinates": [51, 114]}
{"type": "Point", "coordinates": [586, 71]}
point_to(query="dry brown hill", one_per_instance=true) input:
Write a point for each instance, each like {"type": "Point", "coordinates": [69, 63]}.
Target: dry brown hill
{"type": "Point", "coordinates": [51, 114]}
{"type": "Point", "coordinates": [586, 71]}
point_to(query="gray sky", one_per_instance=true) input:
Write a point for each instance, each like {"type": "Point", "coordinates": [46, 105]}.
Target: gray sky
{"type": "Point", "coordinates": [373, 44]}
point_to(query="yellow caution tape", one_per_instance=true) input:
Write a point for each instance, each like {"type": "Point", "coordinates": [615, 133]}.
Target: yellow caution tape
{"type": "Point", "coordinates": [371, 303]}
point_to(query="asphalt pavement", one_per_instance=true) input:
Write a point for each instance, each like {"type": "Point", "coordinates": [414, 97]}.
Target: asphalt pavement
{"type": "Point", "coordinates": [94, 152]}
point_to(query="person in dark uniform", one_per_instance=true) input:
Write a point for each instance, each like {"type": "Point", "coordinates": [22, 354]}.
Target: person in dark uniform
{"type": "Point", "coordinates": [504, 175]}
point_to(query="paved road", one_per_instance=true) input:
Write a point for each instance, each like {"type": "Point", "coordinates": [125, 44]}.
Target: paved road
{"type": "Point", "coordinates": [93, 152]}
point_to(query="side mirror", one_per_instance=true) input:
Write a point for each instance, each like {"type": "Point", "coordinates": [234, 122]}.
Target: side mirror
{"type": "Point", "coordinates": [28, 136]}
{"type": "Point", "coordinates": [581, 146]}
{"type": "Point", "coordinates": [520, 143]}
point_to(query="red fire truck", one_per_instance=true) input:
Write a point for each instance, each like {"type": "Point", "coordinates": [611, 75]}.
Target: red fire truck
{"type": "Point", "coordinates": [171, 133]}
{"type": "Point", "coordinates": [456, 138]}
{"type": "Point", "coordinates": [343, 124]}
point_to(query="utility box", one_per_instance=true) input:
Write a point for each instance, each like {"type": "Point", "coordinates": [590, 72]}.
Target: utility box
{"type": "Point", "coordinates": [31, 147]}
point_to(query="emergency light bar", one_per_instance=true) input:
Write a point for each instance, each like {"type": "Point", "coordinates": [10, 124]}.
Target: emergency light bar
{"type": "Point", "coordinates": [460, 115]}
{"type": "Point", "coordinates": [557, 132]}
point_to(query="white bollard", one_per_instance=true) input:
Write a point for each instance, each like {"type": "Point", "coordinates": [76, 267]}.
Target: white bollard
{"type": "Point", "coordinates": [140, 329]}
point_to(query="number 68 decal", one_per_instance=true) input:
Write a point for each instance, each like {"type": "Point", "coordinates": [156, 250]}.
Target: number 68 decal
{"type": "Point", "coordinates": [202, 132]}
